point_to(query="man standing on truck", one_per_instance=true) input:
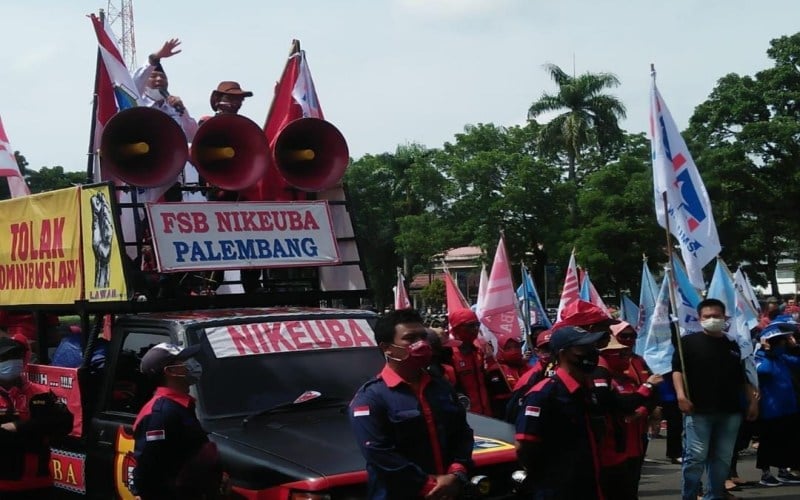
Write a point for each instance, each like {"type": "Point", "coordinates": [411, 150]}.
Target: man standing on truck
{"type": "Point", "coordinates": [30, 416]}
{"type": "Point", "coordinates": [409, 425]}
{"type": "Point", "coordinates": [174, 458]}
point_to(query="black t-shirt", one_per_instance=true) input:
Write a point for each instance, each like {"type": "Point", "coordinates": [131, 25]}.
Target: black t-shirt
{"type": "Point", "coordinates": [714, 372]}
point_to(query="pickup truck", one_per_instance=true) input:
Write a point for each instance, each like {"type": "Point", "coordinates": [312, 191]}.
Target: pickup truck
{"type": "Point", "coordinates": [279, 365]}
{"type": "Point", "coordinates": [273, 397]}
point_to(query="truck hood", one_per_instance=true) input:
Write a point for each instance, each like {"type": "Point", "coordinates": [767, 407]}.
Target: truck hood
{"type": "Point", "coordinates": [296, 445]}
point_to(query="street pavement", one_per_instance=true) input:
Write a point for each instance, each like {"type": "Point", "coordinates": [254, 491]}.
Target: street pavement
{"type": "Point", "coordinates": [661, 480]}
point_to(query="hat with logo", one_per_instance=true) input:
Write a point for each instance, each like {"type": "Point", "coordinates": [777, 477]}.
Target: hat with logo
{"type": "Point", "coordinates": [164, 354]}
{"type": "Point", "coordinates": [543, 338]}
{"type": "Point", "coordinates": [778, 328]}
{"type": "Point", "coordinates": [569, 336]}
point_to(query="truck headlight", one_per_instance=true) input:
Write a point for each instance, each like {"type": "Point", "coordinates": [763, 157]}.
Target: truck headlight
{"type": "Point", "coordinates": [482, 483]}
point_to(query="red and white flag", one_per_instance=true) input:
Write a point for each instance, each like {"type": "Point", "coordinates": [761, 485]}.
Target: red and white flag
{"type": "Point", "coordinates": [401, 300]}
{"type": "Point", "coordinates": [295, 97]}
{"type": "Point", "coordinates": [571, 291]}
{"type": "Point", "coordinates": [455, 299]}
{"type": "Point", "coordinates": [499, 307]}
{"type": "Point", "coordinates": [9, 168]}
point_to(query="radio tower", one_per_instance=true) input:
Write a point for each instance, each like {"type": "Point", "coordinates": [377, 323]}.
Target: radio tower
{"type": "Point", "coordinates": [120, 18]}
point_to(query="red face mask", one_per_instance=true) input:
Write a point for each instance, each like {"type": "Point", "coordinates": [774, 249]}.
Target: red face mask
{"type": "Point", "coordinates": [617, 363]}
{"type": "Point", "coordinates": [417, 355]}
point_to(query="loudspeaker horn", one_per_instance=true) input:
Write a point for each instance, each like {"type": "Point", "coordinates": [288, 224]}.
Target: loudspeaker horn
{"type": "Point", "coordinates": [311, 154]}
{"type": "Point", "coordinates": [143, 147]}
{"type": "Point", "coordinates": [230, 152]}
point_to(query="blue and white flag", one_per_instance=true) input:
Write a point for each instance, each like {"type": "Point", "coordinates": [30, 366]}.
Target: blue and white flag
{"type": "Point", "coordinates": [647, 303]}
{"type": "Point", "coordinates": [688, 206]}
{"type": "Point", "coordinates": [629, 311]}
{"type": "Point", "coordinates": [687, 297]}
{"type": "Point", "coordinates": [658, 347]}
{"type": "Point", "coordinates": [722, 289]}
{"type": "Point", "coordinates": [537, 312]}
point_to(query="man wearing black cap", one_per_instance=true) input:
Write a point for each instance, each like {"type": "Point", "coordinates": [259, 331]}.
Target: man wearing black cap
{"type": "Point", "coordinates": [556, 443]}
{"type": "Point", "coordinates": [174, 458]}
{"type": "Point", "coordinates": [30, 416]}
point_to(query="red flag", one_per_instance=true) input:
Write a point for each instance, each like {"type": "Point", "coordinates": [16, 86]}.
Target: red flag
{"type": "Point", "coordinates": [401, 300]}
{"type": "Point", "coordinates": [295, 97]}
{"type": "Point", "coordinates": [9, 168]}
{"type": "Point", "coordinates": [571, 292]}
{"type": "Point", "coordinates": [499, 307]}
{"type": "Point", "coordinates": [455, 300]}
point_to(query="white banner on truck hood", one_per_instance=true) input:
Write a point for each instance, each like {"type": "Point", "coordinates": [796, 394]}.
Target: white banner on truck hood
{"type": "Point", "coordinates": [288, 336]}
{"type": "Point", "coordinates": [218, 235]}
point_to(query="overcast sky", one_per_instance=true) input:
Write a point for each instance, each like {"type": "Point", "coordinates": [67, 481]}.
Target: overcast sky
{"type": "Point", "coordinates": [387, 72]}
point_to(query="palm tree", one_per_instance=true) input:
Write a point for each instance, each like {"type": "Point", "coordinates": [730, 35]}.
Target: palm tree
{"type": "Point", "coordinates": [590, 117]}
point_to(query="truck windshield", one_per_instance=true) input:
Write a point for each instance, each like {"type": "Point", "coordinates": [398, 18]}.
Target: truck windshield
{"type": "Point", "coordinates": [237, 384]}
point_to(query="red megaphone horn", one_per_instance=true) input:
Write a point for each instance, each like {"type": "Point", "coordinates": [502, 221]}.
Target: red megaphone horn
{"type": "Point", "coordinates": [143, 147]}
{"type": "Point", "coordinates": [311, 154]}
{"type": "Point", "coordinates": [230, 152]}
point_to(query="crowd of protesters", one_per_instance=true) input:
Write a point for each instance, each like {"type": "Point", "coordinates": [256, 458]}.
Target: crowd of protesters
{"type": "Point", "coordinates": [585, 406]}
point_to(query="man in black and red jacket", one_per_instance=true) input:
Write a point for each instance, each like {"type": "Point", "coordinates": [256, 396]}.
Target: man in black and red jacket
{"type": "Point", "coordinates": [30, 416]}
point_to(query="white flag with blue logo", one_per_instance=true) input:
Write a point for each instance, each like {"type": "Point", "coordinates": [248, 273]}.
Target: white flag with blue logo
{"type": "Point", "coordinates": [688, 205]}
{"type": "Point", "coordinates": [658, 336]}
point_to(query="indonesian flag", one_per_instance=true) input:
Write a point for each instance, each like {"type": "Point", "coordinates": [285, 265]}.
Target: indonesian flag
{"type": "Point", "coordinates": [455, 300]}
{"type": "Point", "coordinates": [115, 92]}
{"type": "Point", "coordinates": [499, 307]}
{"type": "Point", "coordinates": [295, 97]}
{"type": "Point", "coordinates": [570, 292]}
{"type": "Point", "coordinates": [688, 206]}
{"type": "Point", "coordinates": [401, 300]}
{"type": "Point", "coordinates": [9, 168]}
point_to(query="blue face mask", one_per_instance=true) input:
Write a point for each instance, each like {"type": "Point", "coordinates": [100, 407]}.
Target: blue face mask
{"type": "Point", "coordinates": [10, 370]}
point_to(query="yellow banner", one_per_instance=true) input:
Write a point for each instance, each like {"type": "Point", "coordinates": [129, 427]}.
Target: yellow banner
{"type": "Point", "coordinates": [40, 259]}
{"type": "Point", "coordinates": [105, 279]}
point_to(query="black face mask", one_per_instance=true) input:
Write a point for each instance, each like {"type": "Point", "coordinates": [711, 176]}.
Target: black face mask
{"type": "Point", "coordinates": [587, 362]}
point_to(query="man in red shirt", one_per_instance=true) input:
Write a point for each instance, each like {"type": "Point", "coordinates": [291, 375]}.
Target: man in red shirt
{"type": "Point", "coordinates": [468, 361]}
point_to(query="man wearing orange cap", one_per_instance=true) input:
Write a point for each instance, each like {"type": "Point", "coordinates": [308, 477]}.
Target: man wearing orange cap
{"type": "Point", "coordinates": [468, 361]}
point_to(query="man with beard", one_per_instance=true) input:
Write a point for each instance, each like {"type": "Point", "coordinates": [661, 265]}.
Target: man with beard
{"type": "Point", "coordinates": [409, 426]}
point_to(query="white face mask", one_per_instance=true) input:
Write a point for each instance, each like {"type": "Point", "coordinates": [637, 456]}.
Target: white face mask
{"type": "Point", "coordinates": [10, 370]}
{"type": "Point", "coordinates": [153, 94]}
{"type": "Point", "coordinates": [713, 325]}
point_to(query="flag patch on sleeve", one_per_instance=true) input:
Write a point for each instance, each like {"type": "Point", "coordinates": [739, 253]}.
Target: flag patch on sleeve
{"type": "Point", "coordinates": [532, 411]}
{"type": "Point", "coordinates": [361, 411]}
{"type": "Point", "coordinates": [600, 383]}
{"type": "Point", "coordinates": [156, 435]}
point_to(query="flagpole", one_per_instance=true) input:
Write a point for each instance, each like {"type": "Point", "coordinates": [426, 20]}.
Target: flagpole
{"type": "Point", "coordinates": [672, 299]}
{"type": "Point", "coordinates": [93, 126]}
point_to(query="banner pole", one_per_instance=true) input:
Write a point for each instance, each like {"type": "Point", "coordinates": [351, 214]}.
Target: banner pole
{"type": "Point", "coordinates": [673, 300]}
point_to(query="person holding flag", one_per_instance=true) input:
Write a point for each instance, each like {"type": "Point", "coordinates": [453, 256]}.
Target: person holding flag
{"type": "Point", "coordinates": [709, 383]}
{"type": "Point", "coordinates": [469, 362]}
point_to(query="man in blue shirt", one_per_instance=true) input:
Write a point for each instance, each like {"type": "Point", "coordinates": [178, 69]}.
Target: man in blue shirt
{"type": "Point", "coordinates": [410, 428]}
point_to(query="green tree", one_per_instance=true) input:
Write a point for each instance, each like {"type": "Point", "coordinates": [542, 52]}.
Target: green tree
{"type": "Point", "coordinates": [588, 116]}
{"type": "Point", "coordinates": [50, 178]}
{"type": "Point", "coordinates": [618, 220]}
{"type": "Point", "coordinates": [745, 141]}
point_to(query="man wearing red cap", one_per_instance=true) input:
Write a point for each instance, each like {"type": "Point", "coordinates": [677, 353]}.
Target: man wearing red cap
{"type": "Point", "coordinates": [544, 367]}
{"type": "Point", "coordinates": [468, 361]}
